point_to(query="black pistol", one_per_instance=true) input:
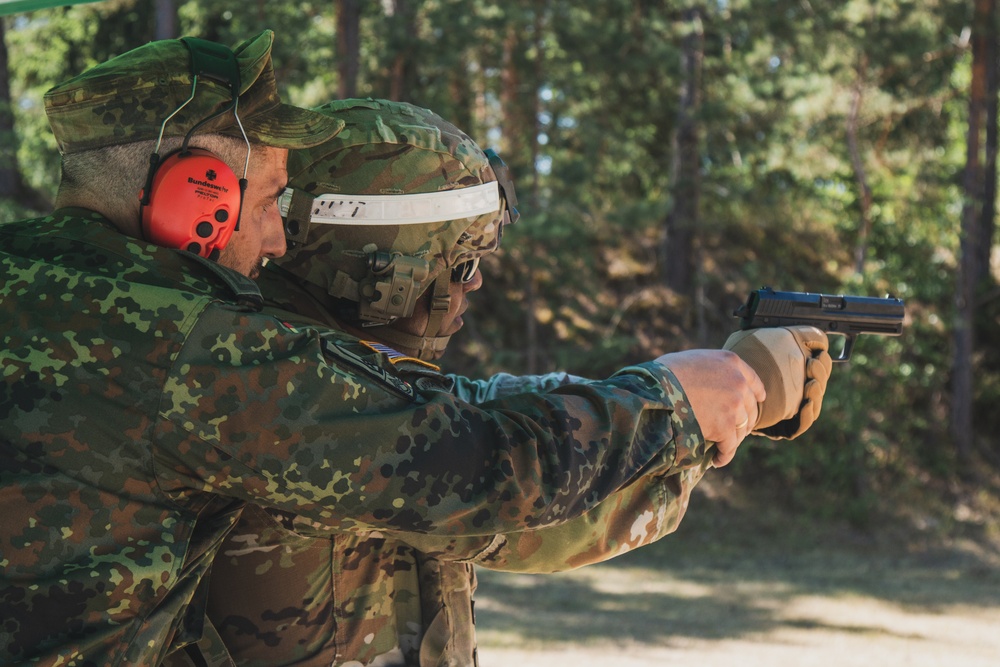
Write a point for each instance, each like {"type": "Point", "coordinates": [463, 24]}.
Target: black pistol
{"type": "Point", "coordinates": [842, 315]}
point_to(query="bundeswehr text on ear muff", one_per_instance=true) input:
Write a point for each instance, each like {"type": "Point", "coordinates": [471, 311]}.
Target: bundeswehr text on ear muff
{"type": "Point", "coordinates": [192, 199]}
{"type": "Point", "coordinates": [194, 203]}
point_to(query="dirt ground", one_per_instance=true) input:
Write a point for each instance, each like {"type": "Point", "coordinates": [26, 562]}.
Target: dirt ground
{"type": "Point", "coordinates": [751, 590]}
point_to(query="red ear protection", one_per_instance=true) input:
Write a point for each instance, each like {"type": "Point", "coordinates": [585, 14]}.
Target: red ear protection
{"type": "Point", "coordinates": [192, 200]}
{"type": "Point", "coordinates": [193, 203]}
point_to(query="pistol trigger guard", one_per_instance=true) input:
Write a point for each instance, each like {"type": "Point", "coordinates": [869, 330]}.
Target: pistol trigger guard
{"type": "Point", "coordinates": [845, 354]}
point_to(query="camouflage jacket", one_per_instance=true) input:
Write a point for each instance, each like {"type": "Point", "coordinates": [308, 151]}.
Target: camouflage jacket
{"type": "Point", "coordinates": [281, 597]}
{"type": "Point", "coordinates": [146, 399]}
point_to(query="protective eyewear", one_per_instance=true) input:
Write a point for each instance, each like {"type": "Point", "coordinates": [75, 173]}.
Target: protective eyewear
{"type": "Point", "coordinates": [466, 271]}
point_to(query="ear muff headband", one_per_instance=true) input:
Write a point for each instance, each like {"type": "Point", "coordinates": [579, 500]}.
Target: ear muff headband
{"type": "Point", "coordinates": [192, 199]}
{"type": "Point", "coordinates": [214, 61]}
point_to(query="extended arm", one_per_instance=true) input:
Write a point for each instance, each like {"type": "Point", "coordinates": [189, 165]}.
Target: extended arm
{"type": "Point", "coordinates": [301, 420]}
{"type": "Point", "coordinates": [641, 513]}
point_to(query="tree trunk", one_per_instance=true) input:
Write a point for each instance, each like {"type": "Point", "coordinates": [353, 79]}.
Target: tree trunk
{"type": "Point", "coordinates": [512, 132]}
{"type": "Point", "coordinates": [404, 61]}
{"type": "Point", "coordinates": [513, 148]}
{"type": "Point", "coordinates": [532, 121]}
{"type": "Point", "coordinates": [678, 249]}
{"type": "Point", "coordinates": [348, 47]}
{"type": "Point", "coordinates": [987, 222]}
{"type": "Point", "coordinates": [12, 184]}
{"type": "Point", "coordinates": [462, 91]}
{"type": "Point", "coordinates": [860, 175]}
{"type": "Point", "coordinates": [984, 284]}
{"type": "Point", "coordinates": [10, 176]}
{"type": "Point", "coordinates": [974, 190]}
{"type": "Point", "coordinates": [166, 20]}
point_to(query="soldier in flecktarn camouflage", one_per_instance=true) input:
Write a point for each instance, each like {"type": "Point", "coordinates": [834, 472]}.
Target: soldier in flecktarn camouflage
{"type": "Point", "coordinates": [286, 592]}
{"type": "Point", "coordinates": [147, 396]}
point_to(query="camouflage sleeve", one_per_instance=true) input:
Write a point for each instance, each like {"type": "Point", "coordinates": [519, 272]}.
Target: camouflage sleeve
{"type": "Point", "coordinates": [639, 514]}
{"type": "Point", "coordinates": [642, 513]}
{"type": "Point", "coordinates": [505, 384]}
{"type": "Point", "coordinates": [300, 419]}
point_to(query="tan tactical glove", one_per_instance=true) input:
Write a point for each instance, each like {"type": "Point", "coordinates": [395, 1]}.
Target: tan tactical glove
{"type": "Point", "coordinates": [794, 364]}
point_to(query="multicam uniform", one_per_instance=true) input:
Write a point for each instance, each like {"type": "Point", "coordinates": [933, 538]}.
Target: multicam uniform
{"type": "Point", "coordinates": [284, 592]}
{"type": "Point", "coordinates": [145, 399]}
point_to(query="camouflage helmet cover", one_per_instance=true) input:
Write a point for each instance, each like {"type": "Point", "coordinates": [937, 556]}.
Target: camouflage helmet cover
{"type": "Point", "coordinates": [385, 148]}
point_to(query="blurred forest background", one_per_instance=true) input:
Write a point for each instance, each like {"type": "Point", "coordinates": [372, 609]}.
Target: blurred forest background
{"type": "Point", "coordinates": [669, 158]}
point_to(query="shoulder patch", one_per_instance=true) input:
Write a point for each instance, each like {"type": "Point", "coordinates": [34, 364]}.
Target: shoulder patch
{"type": "Point", "coordinates": [395, 356]}
{"type": "Point", "coordinates": [338, 349]}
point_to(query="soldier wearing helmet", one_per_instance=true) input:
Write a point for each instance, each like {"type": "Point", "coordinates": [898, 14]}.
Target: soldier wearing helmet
{"type": "Point", "coordinates": [386, 224]}
{"type": "Point", "coordinates": [387, 218]}
{"type": "Point", "coordinates": [399, 204]}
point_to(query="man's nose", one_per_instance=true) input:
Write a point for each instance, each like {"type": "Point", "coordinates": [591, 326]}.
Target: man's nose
{"type": "Point", "coordinates": [273, 244]}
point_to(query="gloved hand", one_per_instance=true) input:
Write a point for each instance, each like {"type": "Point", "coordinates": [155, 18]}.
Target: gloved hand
{"type": "Point", "coordinates": [794, 364]}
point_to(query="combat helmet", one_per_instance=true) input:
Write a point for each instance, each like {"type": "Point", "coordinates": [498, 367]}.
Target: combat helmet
{"type": "Point", "coordinates": [393, 206]}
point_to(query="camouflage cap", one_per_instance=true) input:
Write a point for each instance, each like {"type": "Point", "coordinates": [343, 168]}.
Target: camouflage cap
{"type": "Point", "coordinates": [386, 148]}
{"type": "Point", "coordinates": [127, 99]}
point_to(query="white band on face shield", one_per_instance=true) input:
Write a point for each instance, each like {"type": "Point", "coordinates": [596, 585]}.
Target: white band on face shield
{"type": "Point", "coordinates": [415, 209]}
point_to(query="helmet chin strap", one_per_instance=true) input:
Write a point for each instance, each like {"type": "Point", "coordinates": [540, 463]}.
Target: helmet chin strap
{"type": "Point", "coordinates": [429, 345]}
